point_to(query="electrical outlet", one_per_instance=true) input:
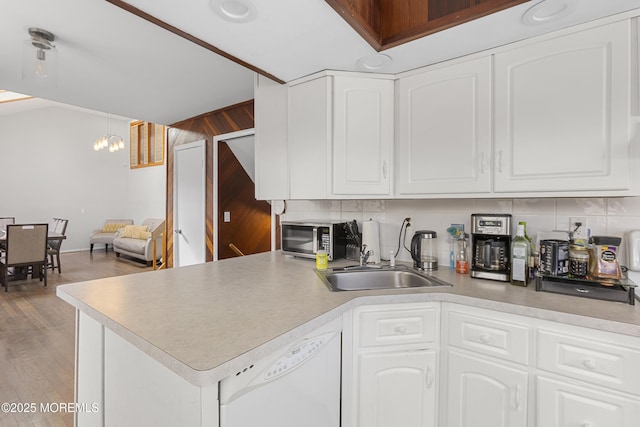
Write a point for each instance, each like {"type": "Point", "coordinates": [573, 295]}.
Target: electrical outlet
{"type": "Point", "coordinates": [578, 228]}
{"type": "Point", "coordinates": [409, 228]}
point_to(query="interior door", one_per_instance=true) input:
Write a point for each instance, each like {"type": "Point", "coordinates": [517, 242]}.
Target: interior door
{"type": "Point", "coordinates": [189, 240]}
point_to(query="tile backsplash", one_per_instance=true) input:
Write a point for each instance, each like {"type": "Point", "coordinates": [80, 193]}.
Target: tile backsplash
{"type": "Point", "coordinates": [605, 216]}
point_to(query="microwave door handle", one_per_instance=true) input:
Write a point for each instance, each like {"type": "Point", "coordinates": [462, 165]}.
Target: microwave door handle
{"type": "Point", "coordinates": [314, 240]}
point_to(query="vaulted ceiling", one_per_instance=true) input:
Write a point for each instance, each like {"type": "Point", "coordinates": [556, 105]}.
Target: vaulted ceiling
{"type": "Point", "coordinates": [166, 61]}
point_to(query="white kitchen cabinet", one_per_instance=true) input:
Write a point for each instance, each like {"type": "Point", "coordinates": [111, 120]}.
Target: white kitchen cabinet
{"type": "Point", "coordinates": [486, 367]}
{"type": "Point", "coordinates": [587, 378]}
{"type": "Point", "coordinates": [340, 137]}
{"type": "Point", "coordinates": [562, 111]}
{"type": "Point", "coordinates": [270, 111]}
{"type": "Point", "coordinates": [485, 393]}
{"type": "Point", "coordinates": [397, 388]}
{"type": "Point", "coordinates": [443, 133]}
{"type": "Point", "coordinates": [567, 404]}
{"type": "Point", "coordinates": [393, 380]}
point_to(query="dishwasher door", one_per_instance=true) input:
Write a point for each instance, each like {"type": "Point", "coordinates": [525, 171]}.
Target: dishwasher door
{"type": "Point", "coordinates": [298, 387]}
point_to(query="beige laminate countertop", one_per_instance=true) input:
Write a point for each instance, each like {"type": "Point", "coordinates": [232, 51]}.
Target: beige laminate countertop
{"type": "Point", "coordinates": [207, 321]}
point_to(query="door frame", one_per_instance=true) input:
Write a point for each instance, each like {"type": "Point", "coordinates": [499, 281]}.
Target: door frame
{"type": "Point", "coordinates": [203, 231]}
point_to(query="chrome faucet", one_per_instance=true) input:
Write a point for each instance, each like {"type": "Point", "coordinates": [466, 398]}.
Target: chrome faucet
{"type": "Point", "coordinates": [364, 255]}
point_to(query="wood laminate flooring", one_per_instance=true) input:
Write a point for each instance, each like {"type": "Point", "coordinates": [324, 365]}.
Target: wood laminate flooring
{"type": "Point", "coordinates": [37, 340]}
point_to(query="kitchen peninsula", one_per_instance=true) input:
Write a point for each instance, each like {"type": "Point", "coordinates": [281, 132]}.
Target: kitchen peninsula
{"type": "Point", "coordinates": [152, 347]}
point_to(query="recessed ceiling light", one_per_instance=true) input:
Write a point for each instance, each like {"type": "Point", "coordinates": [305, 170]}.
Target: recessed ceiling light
{"type": "Point", "coordinates": [546, 11]}
{"type": "Point", "coordinates": [375, 62]}
{"type": "Point", "coordinates": [235, 10]}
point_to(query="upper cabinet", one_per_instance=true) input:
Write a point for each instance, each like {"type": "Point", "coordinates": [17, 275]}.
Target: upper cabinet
{"type": "Point", "coordinates": [562, 109]}
{"type": "Point", "coordinates": [443, 130]}
{"type": "Point", "coordinates": [270, 105]}
{"type": "Point", "coordinates": [340, 137]}
{"type": "Point", "coordinates": [554, 115]}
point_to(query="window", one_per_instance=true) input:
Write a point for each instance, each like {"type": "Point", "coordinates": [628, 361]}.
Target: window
{"type": "Point", "coordinates": [147, 144]}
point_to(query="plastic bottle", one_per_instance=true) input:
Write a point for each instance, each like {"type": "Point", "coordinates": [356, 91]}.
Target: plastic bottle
{"type": "Point", "coordinates": [520, 251]}
{"type": "Point", "coordinates": [462, 261]}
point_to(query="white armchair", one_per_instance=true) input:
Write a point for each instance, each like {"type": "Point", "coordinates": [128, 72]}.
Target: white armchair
{"type": "Point", "coordinates": [141, 241]}
{"type": "Point", "coordinates": [107, 233]}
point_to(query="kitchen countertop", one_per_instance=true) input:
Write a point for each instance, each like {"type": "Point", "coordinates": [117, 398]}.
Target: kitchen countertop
{"type": "Point", "coordinates": [207, 321]}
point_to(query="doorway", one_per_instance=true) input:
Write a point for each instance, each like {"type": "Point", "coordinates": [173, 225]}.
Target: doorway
{"type": "Point", "coordinates": [189, 239]}
{"type": "Point", "coordinates": [243, 223]}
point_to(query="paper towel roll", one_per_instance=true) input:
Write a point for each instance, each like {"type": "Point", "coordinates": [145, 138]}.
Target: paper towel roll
{"type": "Point", "coordinates": [371, 238]}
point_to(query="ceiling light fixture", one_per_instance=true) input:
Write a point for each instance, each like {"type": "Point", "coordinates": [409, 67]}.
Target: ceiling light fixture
{"type": "Point", "coordinates": [235, 10]}
{"type": "Point", "coordinates": [109, 140]}
{"type": "Point", "coordinates": [375, 62]}
{"type": "Point", "coordinates": [546, 11]}
{"type": "Point", "coordinates": [39, 56]}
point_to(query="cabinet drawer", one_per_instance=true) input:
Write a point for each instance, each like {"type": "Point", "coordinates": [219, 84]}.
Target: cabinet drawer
{"type": "Point", "coordinates": [493, 337]}
{"type": "Point", "coordinates": [600, 362]}
{"type": "Point", "coordinates": [563, 404]}
{"type": "Point", "coordinates": [399, 326]}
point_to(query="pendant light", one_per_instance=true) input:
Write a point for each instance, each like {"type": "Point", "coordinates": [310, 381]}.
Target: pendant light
{"type": "Point", "coordinates": [109, 140]}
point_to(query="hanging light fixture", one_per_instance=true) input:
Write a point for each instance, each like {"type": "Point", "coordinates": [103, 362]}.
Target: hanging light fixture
{"type": "Point", "coordinates": [109, 140]}
{"type": "Point", "coordinates": [40, 56]}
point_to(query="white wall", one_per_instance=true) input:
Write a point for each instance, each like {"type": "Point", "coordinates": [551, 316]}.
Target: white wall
{"type": "Point", "coordinates": [48, 168]}
{"type": "Point", "coordinates": [605, 216]}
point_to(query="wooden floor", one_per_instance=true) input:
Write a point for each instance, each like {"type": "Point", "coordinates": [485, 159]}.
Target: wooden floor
{"type": "Point", "coordinates": [37, 340]}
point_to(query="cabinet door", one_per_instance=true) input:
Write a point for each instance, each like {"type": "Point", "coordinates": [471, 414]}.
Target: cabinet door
{"type": "Point", "coordinates": [309, 133]}
{"type": "Point", "coordinates": [362, 136]}
{"type": "Point", "coordinates": [444, 130]}
{"type": "Point", "coordinates": [397, 389]}
{"type": "Point", "coordinates": [562, 404]}
{"type": "Point", "coordinates": [484, 393]}
{"type": "Point", "coordinates": [270, 104]}
{"type": "Point", "coordinates": [562, 113]}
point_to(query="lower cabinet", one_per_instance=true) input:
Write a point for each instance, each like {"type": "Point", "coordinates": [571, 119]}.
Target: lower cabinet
{"type": "Point", "coordinates": [485, 393]}
{"type": "Point", "coordinates": [397, 388]}
{"type": "Point", "coordinates": [509, 370]}
{"type": "Point", "coordinates": [561, 403]}
{"type": "Point", "coordinates": [390, 374]}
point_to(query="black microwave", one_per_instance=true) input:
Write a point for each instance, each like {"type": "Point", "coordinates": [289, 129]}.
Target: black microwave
{"type": "Point", "coordinates": [306, 238]}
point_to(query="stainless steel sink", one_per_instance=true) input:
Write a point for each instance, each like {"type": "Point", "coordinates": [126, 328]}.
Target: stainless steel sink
{"type": "Point", "coordinates": [363, 278]}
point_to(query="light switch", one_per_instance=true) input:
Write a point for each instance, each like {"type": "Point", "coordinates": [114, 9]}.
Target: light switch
{"type": "Point", "coordinates": [227, 216]}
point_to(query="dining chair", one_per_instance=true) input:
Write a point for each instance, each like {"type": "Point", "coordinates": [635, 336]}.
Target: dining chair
{"type": "Point", "coordinates": [57, 228]}
{"type": "Point", "coordinates": [4, 221]}
{"type": "Point", "coordinates": [26, 248]}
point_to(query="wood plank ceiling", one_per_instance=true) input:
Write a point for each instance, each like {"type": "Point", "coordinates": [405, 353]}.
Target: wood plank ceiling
{"type": "Point", "coordinates": [385, 24]}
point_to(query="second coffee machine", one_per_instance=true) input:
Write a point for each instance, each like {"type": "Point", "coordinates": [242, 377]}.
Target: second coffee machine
{"type": "Point", "coordinates": [491, 246]}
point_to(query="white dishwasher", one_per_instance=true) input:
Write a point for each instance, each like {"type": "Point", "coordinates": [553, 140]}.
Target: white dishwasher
{"type": "Point", "coordinates": [299, 386]}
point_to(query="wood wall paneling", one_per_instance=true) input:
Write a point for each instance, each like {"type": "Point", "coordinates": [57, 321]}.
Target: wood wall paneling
{"type": "Point", "coordinates": [206, 126]}
{"type": "Point", "coordinates": [250, 226]}
{"type": "Point", "coordinates": [385, 24]}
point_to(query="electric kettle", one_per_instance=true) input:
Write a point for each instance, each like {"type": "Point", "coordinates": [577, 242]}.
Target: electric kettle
{"type": "Point", "coordinates": [424, 250]}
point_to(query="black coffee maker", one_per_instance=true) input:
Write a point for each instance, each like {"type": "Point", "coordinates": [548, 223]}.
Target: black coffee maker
{"type": "Point", "coordinates": [491, 246]}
